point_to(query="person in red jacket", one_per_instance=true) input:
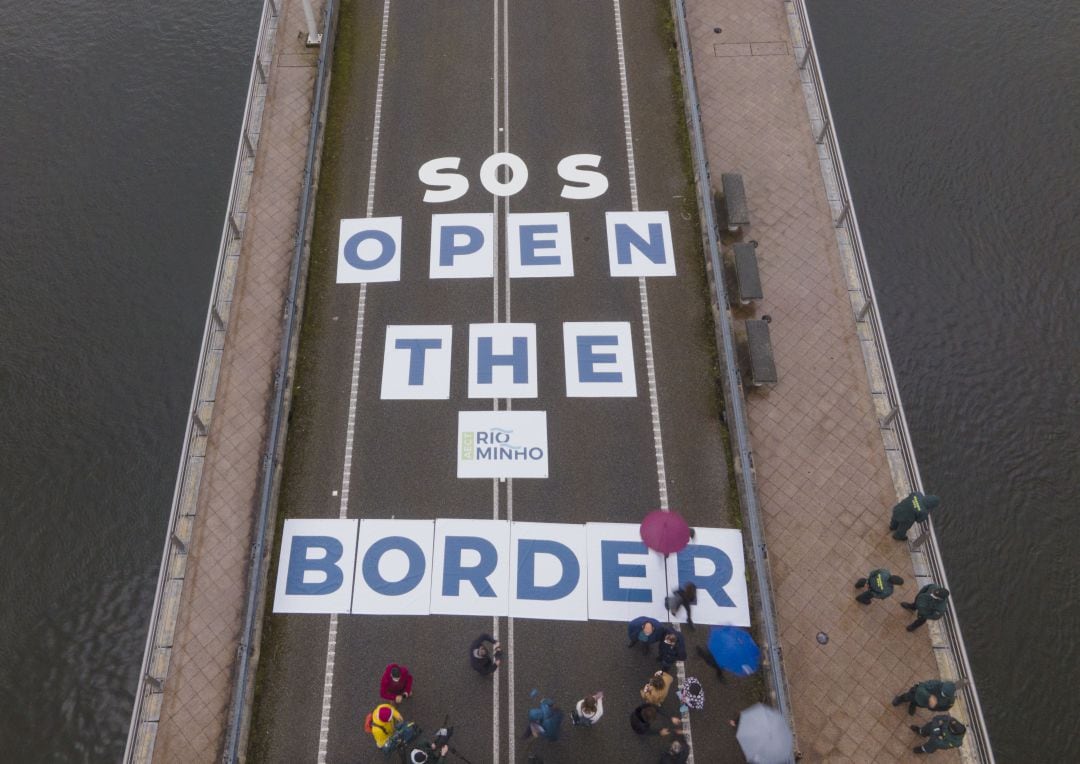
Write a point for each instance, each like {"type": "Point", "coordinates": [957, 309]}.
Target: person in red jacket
{"type": "Point", "coordinates": [396, 684]}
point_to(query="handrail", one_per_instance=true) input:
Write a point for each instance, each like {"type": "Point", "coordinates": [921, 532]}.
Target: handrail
{"type": "Point", "coordinates": [732, 383]}
{"type": "Point", "coordinates": [154, 666]}
{"type": "Point", "coordinates": [977, 740]}
{"type": "Point", "coordinates": [278, 420]}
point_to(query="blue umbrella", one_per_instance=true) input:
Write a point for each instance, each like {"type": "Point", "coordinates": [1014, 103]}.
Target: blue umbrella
{"type": "Point", "coordinates": [734, 649]}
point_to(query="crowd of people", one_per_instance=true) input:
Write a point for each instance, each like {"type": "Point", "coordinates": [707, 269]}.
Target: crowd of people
{"type": "Point", "coordinates": [391, 732]}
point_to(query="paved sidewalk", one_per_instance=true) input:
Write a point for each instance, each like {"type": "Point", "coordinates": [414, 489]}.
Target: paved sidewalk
{"type": "Point", "coordinates": [198, 689]}
{"type": "Point", "coordinates": [824, 482]}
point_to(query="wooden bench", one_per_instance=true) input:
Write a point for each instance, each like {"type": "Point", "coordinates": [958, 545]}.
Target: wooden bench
{"type": "Point", "coordinates": [747, 278]}
{"type": "Point", "coordinates": [735, 201]}
{"type": "Point", "coordinates": [759, 346]}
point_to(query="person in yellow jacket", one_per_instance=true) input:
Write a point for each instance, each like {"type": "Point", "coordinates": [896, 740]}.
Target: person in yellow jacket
{"type": "Point", "coordinates": [384, 721]}
{"type": "Point", "coordinates": [656, 689]}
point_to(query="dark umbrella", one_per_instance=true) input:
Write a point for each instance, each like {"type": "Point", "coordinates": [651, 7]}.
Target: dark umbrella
{"type": "Point", "coordinates": [734, 649]}
{"type": "Point", "coordinates": [666, 532]}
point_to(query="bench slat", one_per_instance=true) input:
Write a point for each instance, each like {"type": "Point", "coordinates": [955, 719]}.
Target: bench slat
{"type": "Point", "coordinates": [738, 214]}
{"type": "Point", "coordinates": [762, 365]}
{"type": "Point", "coordinates": [747, 277]}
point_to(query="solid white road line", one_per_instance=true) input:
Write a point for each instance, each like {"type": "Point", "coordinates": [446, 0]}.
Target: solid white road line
{"type": "Point", "coordinates": [654, 403]}
{"type": "Point", "coordinates": [350, 427]}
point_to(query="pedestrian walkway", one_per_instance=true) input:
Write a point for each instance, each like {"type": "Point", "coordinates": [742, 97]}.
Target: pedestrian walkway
{"type": "Point", "coordinates": [198, 689]}
{"type": "Point", "coordinates": [825, 488]}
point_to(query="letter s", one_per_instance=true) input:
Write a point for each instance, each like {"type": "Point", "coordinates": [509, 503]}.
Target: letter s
{"type": "Point", "coordinates": [570, 170]}
{"type": "Point", "coordinates": [448, 185]}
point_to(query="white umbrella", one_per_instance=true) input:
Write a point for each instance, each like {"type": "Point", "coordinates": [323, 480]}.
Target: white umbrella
{"type": "Point", "coordinates": [764, 735]}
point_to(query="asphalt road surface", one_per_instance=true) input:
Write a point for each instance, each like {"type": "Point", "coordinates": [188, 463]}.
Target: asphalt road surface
{"type": "Point", "coordinates": [417, 80]}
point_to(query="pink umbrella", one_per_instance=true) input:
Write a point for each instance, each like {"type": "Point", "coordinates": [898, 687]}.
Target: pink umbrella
{"type": "Point", "coordinates": [665, 531]}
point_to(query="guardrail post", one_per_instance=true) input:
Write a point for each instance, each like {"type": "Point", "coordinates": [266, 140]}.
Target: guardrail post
{"type": "Point", "coordinates": [839, 223]}
{"type": "Point", "coordinates": [820, 138]}
{"type": "Point", "coordinates": [920, 540]}
{"type": "Point", "coordinates": [890, 417]}
{"type": "Point", "coordinates": [154, 682]}
{"type": "Point", "coordinates": [200, 425]}
{"type": "Point", "coordinates": [864, 311]}
{"type": "Point", "coordinates": [806, 57]}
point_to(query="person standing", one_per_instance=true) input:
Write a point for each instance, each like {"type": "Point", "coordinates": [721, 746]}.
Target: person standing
{"type": "Point", "coordinates": [678, 751]}
{"type": "Point", "coordinates": [656, 689]}
{"type": "Point", "coordinates": [915, 508]}
{"type": "Point", "coordinates": [644, 631]}
{"type": "Point", "coordinates": [671, 650]}
{"type": "Point", "coordinates": [933, 694]}
{"type": "Point", "coordinates": [382, 723]}
{"type": "Point", "coordinates": [683, 597]}
{"type": "Point", "coordinates": [941, 732]}
{"type": "Point", "coordinates": [929, 605]}
{"type": "Point", "coordinates": [643, 717]}
{"type": "Point", "coordinates": [588, 710]}
{"type": "Point", "coordinates": [879, 584]}
{"type": "Point", "coordinates": [485, 655]}
{"type": "Point", "coordinates": [396, 684]}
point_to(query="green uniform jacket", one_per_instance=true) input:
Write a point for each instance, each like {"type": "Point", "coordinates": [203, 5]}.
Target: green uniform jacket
{"type": "Point", "coordinates": [940, 737]}
{"type": "Point", "coordinates": [929, 607]}
{"type": "Point", "coordinates": [914, 509]}
{"type": "Point", "coordinates": [923, 691]}
{"type": "Point", "coordinates": [879, 584]}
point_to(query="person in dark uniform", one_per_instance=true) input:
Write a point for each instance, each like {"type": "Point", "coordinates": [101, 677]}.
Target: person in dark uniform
{"type": "Point", "coordinates": [941, 732]}
{"type": "Point", "coordinates": [933, 694]}
{"type": "Point", "coordinates": [929, 605]}
{"type": "Point", "coordinates": [644, 631]}
{"type": "Point", "coordinates": [879, 585]}
{"type": "Point", "coordinates": [914, 509]}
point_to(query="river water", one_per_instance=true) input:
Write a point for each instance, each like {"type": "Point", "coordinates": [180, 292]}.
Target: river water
{"type": "Point", "coordinates": [959, 125]}
{"type": "Point", "coordinates": [960, 128]}
{"type": "Point", "coordinates": [117, 138]}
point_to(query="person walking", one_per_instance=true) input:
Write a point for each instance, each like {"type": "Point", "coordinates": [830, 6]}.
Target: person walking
{"type": "Point", "coordinates": [683, 597]}
{"type": "Point", "coordinates": [929, 605]}
{"type": "Point", "coordinates": [544, 721]}
{"type": "Point", "coordinates": [644, 631]}
{"type": "Point", "coordinates": [879, 584]}
{"type": "Point", "coordinates": [485, 655]}
{"type": "Point", "coordinates": [588, 710]}
{"type": "Point", "coordinates": [691, 695]}
{"type": "Point", "coordinates": [643, 718]}
{"type": "Point", "coordinates": [941, 732]}
{"type": "Point", "coordinates": [915, 508]}
{"type": "Point", "coordinates": [935, 694]}
{"type": "Point", "coordinates": [656, 689]}
{"type": "Point", "coordinates": [396, 684]}
{"type": "Point", "coordinates": [671, 650]}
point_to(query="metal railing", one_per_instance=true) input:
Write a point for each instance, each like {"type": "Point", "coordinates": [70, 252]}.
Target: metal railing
{"type": "Point", "coordinates": [158, 651]}
{"type": "Point", "coordinates": [733, 392]}
{"type": "Point", "coordinates": [236, 730]}
{"type": "Point", "coordinates": [977, 740]}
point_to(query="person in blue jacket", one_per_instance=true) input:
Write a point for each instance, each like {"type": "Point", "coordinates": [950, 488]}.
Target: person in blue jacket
{"type": "Point", "coordinates": [644, 631]}
{"type": "Point", "coordinates": [544, 721]}
{"type": "Point", "coordinates": [672, 649]}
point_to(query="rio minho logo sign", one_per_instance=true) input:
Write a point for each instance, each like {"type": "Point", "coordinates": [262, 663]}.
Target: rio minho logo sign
{"type": "Point", "coordinates": [502, 444]}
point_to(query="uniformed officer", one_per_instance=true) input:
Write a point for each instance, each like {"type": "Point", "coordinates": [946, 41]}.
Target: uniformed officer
{"type": "Point", "coordinates": [935, 694]}
{"type": "Point", "coordinates": [879, 585]}
{"type": "Point", "coordinates": [941, 732]}
{"type": "Point", "coordinates": [929, 605]}
{"type": "Point", "coordinates": [915, 508]}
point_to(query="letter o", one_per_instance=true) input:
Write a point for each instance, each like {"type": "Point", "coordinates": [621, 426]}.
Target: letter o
{"type": "Point", "coordinates": [352, 250]}
{"type": "Point", "coordinates": [519, 174]}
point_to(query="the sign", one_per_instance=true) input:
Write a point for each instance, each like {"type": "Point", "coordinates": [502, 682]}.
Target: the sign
{"type": "Point", "coordinates": [502, 444]}
{"type": "Point", "coordinates": [599, 571]}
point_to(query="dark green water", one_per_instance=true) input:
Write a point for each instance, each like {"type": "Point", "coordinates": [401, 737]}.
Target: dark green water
{"type": "Point", "coordinates": [117, 136]}
{"type": "Point", "coordinates": [960, 128]}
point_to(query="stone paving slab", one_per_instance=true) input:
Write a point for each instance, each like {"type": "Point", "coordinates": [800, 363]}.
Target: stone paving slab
{"type": "Point", "coordinates": [198, 689]}
{"type": "Point", "coordinates": [824, 482]}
